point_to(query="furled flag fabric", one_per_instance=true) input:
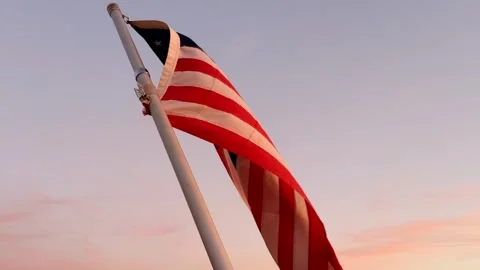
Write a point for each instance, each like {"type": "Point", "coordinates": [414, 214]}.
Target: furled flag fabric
{"type": "Point", "coordinates": [200, 100]}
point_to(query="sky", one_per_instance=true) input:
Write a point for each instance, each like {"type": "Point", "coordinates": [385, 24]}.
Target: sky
{"type": "Point", "coordinates": [373, 105]}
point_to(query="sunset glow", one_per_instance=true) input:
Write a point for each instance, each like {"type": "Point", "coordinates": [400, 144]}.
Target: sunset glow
{"type": "Point", "coordinates": [373, 105]}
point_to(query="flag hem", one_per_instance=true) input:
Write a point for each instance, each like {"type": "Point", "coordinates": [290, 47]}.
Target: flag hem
{"type": "Point", "coordinates": [170, 63]}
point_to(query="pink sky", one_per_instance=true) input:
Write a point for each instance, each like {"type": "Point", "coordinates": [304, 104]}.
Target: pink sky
{"type": "Point", "coordinates": [373, 105]}
{"type": "Point", "coordinates": [44, 230]}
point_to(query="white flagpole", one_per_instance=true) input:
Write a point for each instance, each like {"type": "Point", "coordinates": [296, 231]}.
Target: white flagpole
{"type": "Point", "coordinates": [201, 215]}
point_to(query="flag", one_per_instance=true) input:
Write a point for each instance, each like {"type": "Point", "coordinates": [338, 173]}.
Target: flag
{"type": "Point", "coordinates": [200, 100]}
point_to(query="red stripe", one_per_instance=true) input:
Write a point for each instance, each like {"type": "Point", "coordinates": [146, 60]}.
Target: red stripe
{"type": "Point", "coordinates": [333, 257]}
{"type": "Point", "coordinates": [190, 64]}
{"type": "Point", "coordinates": [320, 249]}
{"type": "Point", "coordinates": [255, 192]}
{"type": "Point", "coordinates": [320, 252]}
{"type": "Point", "coordinates": [318, 244]}
{"type": "Point", "coordinates": [317, 258]}
{"type": "Point", "coordinates": [286, 230]}
{"type": "Point", "coordinates": [235, 143]}
{"type": "Point", "coordinates": [213, 100]}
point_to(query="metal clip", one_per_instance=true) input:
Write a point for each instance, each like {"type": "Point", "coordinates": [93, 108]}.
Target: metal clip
{"type": "Point", "coordinates": [125, 18]}
{"type": "Point", "coordinates": [140, 93]}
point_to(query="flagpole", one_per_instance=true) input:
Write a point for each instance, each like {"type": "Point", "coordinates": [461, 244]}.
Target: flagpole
{"type": "Point", "coordinates": [201, 215]}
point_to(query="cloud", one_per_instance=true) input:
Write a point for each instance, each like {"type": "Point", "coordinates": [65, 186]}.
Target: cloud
{"type": "Point", "coordinates": [417, 236]}
{"type": "Point", "coordinates": [16, 237]}
{"type": "Point", "coordinates": [459, 193]}
{"type": "Point", "coordinates": [155, 231]}
{"type": "Point", "coordinates": [40, 259]}
{"type": "Point", "coordinates": [31, 207]}
{"type": "Point", "coordinates": [428, 199]}
{"type": "Point", "coordinates": [76, 251]}
{"type": "Point", "coordinates": [43, 200]}
{"type": "Point", "coordinates": [71, 257]}
{"type": "Point", "coordinates": [14, 216]}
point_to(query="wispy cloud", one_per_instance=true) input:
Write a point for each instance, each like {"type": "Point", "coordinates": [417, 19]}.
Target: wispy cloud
{"type": "Point", "coordinates": [40, 259]}
{"type": "Point", "coordinates": [155, 231]}
{"type": "Point", "coordinates": [460, 193]}
{"type": "Point", "coordinates": [30, 207]}
{"type": "Point", "coordinates": [16, 237]}
{"type": "Point", "coordinates": [436, 198]}
{"type": "Point", "coordinates": [81, 252]}
{"type": "Point", "coordinates": [422, 235]}
{"type": "Point", "coordinates": [14, 216]}
{"type": "Point", "coordinates": [43, 200]}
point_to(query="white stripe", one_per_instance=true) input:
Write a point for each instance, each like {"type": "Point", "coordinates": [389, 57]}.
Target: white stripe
{"type": "Point", "coordinates": [237, 181]}
{"type": "Point", "coordinates": [224, 120]}
{"type": "Point", "coordinates": [207, 82]}
{"type": "Point", "coordinates": [170, 63]}
{"type": "Point", "coordinates": [301, 234]}
{"type": "Point", "coordinates": [194, 53]}
{"type": "Point", "coordinates": [330, 267]}
{"type": "Point", "coordinates": [271, 213]}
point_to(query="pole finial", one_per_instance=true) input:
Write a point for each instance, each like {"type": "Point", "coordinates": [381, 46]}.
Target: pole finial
{"type": "Point", "coordinates": [111, 7]}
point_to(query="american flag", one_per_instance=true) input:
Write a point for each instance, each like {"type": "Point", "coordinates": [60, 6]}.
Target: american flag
{"type": "Point", "coordinates": [200, 100]}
